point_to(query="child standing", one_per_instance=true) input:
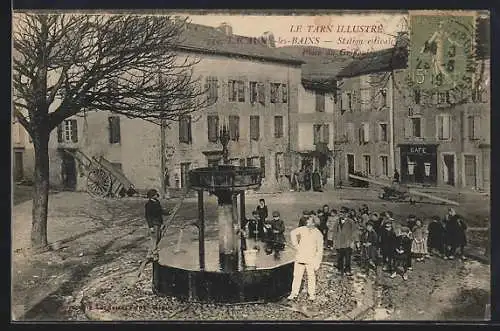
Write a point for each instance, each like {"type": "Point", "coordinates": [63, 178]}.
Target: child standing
{"type": "Point", "coordinates": [419, 243]}
{"type": "Point", "coordinates": [369, 248]}
{"type": "Point", "coordinates": [387, 242]}
{"type": "Point", "coordinates": [263, 214]}
{"type": "Point", "coordinates": [403, 252]}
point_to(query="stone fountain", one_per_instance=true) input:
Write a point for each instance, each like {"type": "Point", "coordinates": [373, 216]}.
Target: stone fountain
{"type": "Point", "coordinates": [220, 273]}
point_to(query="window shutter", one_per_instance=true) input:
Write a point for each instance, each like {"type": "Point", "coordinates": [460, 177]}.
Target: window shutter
{"type": "Point", "coordinates": [435, 96]}
{"type": "Point", "coordinates": [60, 133]}
{"type": "Point", "coordinates": [326, 134]}
{"type": "Point", "coordinates": [408, 129]}
{"type": "Point", "coordinates": [378, 134]}
{"type": "Point", "coordinates": [74, 131]}
{"type": "Point", "coordinates": [422, 127]}
{"type": "Point", "coordinates": [261, 93]}
{"type": "Point", "coordinates": [284, 93]}
{"type": "Point", "coordinates": [366, 128]}
{"type": "Point", "coordinates": [446, 127]}
{"type": "Point", "coordinates": [360, 134]}
{"type": "Point", "coordinates": [110, 130]}
{"type": "Point", "coordinates": [477, 123]}
{"type": "Point", "coordinates": [344, 101]}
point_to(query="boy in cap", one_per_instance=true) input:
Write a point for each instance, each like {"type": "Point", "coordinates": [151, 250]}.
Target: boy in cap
{"type": "Point", "coordinates": [369, 241]}
{"type": "Point", "coordinates": [276, 238]}
{"type": "Point", "coordinates": [154, 218]}
{"type": "Point", "coordinates": [403, 252]}
{"type": "Point", "coordinates": [304, 217]}
{"type": "Point", "coordinates": [308, 242]}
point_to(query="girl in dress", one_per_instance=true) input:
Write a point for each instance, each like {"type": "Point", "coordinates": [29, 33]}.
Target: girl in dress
{"type": "Point", "coordinates": [419, 242]}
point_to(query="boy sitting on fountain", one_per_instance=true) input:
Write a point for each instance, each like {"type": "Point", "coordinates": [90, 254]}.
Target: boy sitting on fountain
{"type": "Point", "coordinates": [154, 218]}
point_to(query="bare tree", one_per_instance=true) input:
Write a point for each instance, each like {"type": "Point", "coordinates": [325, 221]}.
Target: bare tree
{"type": "Point", "coordinates": [65, 64]}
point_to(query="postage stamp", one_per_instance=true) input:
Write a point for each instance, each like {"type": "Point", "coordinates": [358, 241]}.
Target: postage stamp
{"type": "Point", "coordinates": [442, 50]}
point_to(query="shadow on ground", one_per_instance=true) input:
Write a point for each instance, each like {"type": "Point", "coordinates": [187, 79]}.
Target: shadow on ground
{"type": "Point", "coordinates": [468, 304]}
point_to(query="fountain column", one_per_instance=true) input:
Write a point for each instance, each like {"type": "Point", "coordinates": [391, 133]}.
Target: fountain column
{"type": "Point", "coordinates": [227, 215]}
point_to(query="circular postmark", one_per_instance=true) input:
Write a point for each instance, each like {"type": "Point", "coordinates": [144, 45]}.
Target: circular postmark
{"type": "Point", "coordinates": [442, 52]}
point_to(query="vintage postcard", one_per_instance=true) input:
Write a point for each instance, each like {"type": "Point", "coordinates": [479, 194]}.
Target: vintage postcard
{"type": "Point", "coordinates": [274, 166]}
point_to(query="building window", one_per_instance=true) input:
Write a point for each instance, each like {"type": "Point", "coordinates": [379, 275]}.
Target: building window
{"type": "Point", "coordinates": [349, 101]}
{"type": "Point", "coordinates": [320, 101]}
{"type": "Point", "coordinates": [284, 93]}
{"type": "Point", "coordinates": [383, 132]}
{"type": "Point", "coordinates": [365, 99]}
{"type": "Point", "coordinates": [67, 131]}
{"type": "Point", "coordinates": [242, 162]}
{"type": "Point", "coordinates": [212, 87]}
{"type": "Point", "coordinates": [254, 92]}
{"type": "Point", "coordinates": [234, 127]}
{"type": "Point", "coordinates": [443, 97]}
{"type": "Point", "coordinates": [275, 89]}
{"type": "Point", "coordinates": [383, 94]}
{"type": "Point", "coordinates": [473, 127]}
{"type": "Point", "coordinates": [185, 135]}
{"type": "Point", "coordinates": [368, 164]}
{"type": "Point", "coordinates": [417, 96]}
{"type": "Point", "coordinates": [321, 133]}
{"type": "Point", "coordinates": [384, 162]}
{"type": "Point", "coordinates": [263, 166]}
{"type": "Point", "coordinates": [254, 127]}
{"type": "Point", "coordinates": [278, 126]}
{"type": "Point", "coordinates": [257, 92]}
{"type": "Point", "coordinates": [364, 133]}
{"type": "Point", "coordinates": [444, 127]}
{"type": "Point", "coordinates": [237, 90]}
{"type": "Point", "coordinates": [413, 127]}
{"type": "Point", "coordinates": [349, 132]}
{"type": "Point", "coordinates": [213, 128]}
{"type": "Point", "coordinates": [114, 129]}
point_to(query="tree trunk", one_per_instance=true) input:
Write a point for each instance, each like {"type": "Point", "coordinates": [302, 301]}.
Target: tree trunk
{"type": "Point", "coordinates": [40, 191]}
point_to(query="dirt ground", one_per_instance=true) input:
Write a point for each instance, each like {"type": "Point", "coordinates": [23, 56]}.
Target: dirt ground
{"type": "Point", "coordinates": [104, 236]}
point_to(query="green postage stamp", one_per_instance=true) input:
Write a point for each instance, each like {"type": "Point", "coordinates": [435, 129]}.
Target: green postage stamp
{"type": "Point", "coordinates": [442, 51]}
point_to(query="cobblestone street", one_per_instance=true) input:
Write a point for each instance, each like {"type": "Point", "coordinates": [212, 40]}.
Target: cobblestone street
{"type": "Point", "coordinates": [100, 237]}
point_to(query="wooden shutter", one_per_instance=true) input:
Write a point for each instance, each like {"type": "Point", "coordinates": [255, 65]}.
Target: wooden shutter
{"type": "Point", "coordinates": [60, 133]}
{"type": "Point", "coordinates": [241, 91]}
{"type": "Point", "coordinates": [326, 134]}
{"type": "Point", "coordinates": [74, 131]}
{"type": "Point", "coordinates": [284, 93]}
{"type": "Point", "coordinates": [477, 124]}
{"type": "Point", "coordinates": [261, 91]}
{"type": "Point", "coordinates": [408, 128]}
{"type": "Point", "coordinates": [366, 134]}
{"type": "Point", "coordinates": [446, 127]}
{"type": "Point", "coordinates": [213, 127]}
{"type": "Point", "coordinates": [320, 101]}
{"type": "Point", "coordinates": [263, 166]}
{"type": "Point", "coordinates": [254, 127]}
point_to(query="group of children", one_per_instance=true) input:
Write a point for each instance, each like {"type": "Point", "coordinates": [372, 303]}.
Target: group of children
{"type": "Point", "coordinates": [379, 239]}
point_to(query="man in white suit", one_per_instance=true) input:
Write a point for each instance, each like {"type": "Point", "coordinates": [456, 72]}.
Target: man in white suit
{"type": "Point", "coordinates": [308, 241]}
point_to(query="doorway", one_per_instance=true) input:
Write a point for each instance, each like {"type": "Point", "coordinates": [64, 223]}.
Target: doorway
{"type": "Point", "coordinates": [470, 171]}
{"type": "Point", "coordinates": [449, 169]}
{"type": "Point", "coordinates": [350, 164]}
{"type": "Point", "coordinates": [18, 166]}
{"type": "Point", "coordinates": [68, 168]}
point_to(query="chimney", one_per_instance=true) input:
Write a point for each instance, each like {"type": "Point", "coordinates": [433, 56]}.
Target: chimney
{"type": "Point", "coordinates": [226, 28]}
{"type": "Point", "coordinates": [268, 37]}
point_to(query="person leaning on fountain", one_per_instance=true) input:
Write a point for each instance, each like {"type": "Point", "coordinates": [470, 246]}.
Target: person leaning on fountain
{"type": "Point", "coordinates": [154, 218]}
{"type": "Point", "coordinates": [308, 242]}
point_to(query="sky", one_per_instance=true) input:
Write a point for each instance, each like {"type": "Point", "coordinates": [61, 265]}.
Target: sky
{"type": "Point", "coordinates": [337, 29]}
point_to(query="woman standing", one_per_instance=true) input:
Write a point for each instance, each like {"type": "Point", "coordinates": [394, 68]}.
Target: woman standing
{"type": "Point", "coordinates": [263, 214]}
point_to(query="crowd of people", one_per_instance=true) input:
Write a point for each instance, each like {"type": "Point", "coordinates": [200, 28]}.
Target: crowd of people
{"type": "Point", "coordinates": [376, 238]}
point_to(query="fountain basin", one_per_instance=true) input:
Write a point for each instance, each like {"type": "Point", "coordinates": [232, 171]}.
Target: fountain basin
{"type": "Point", "coordinates": [178, 274]}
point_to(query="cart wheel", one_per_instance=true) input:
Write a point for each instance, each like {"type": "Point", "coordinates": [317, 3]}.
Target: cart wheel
{"type": "Point", "coordinates": [98, 183]}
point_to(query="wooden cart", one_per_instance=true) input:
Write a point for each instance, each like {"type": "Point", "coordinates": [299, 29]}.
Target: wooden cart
{"type": "Point", "coordinates": [103, 179]}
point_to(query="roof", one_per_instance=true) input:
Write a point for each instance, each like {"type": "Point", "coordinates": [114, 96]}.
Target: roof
{"type": "Point", "coordinates": [205, 39]}
{"type": "Point", "coordinates": [380, 61]}
{"type": "Point", "coordinates": [321, 66]}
